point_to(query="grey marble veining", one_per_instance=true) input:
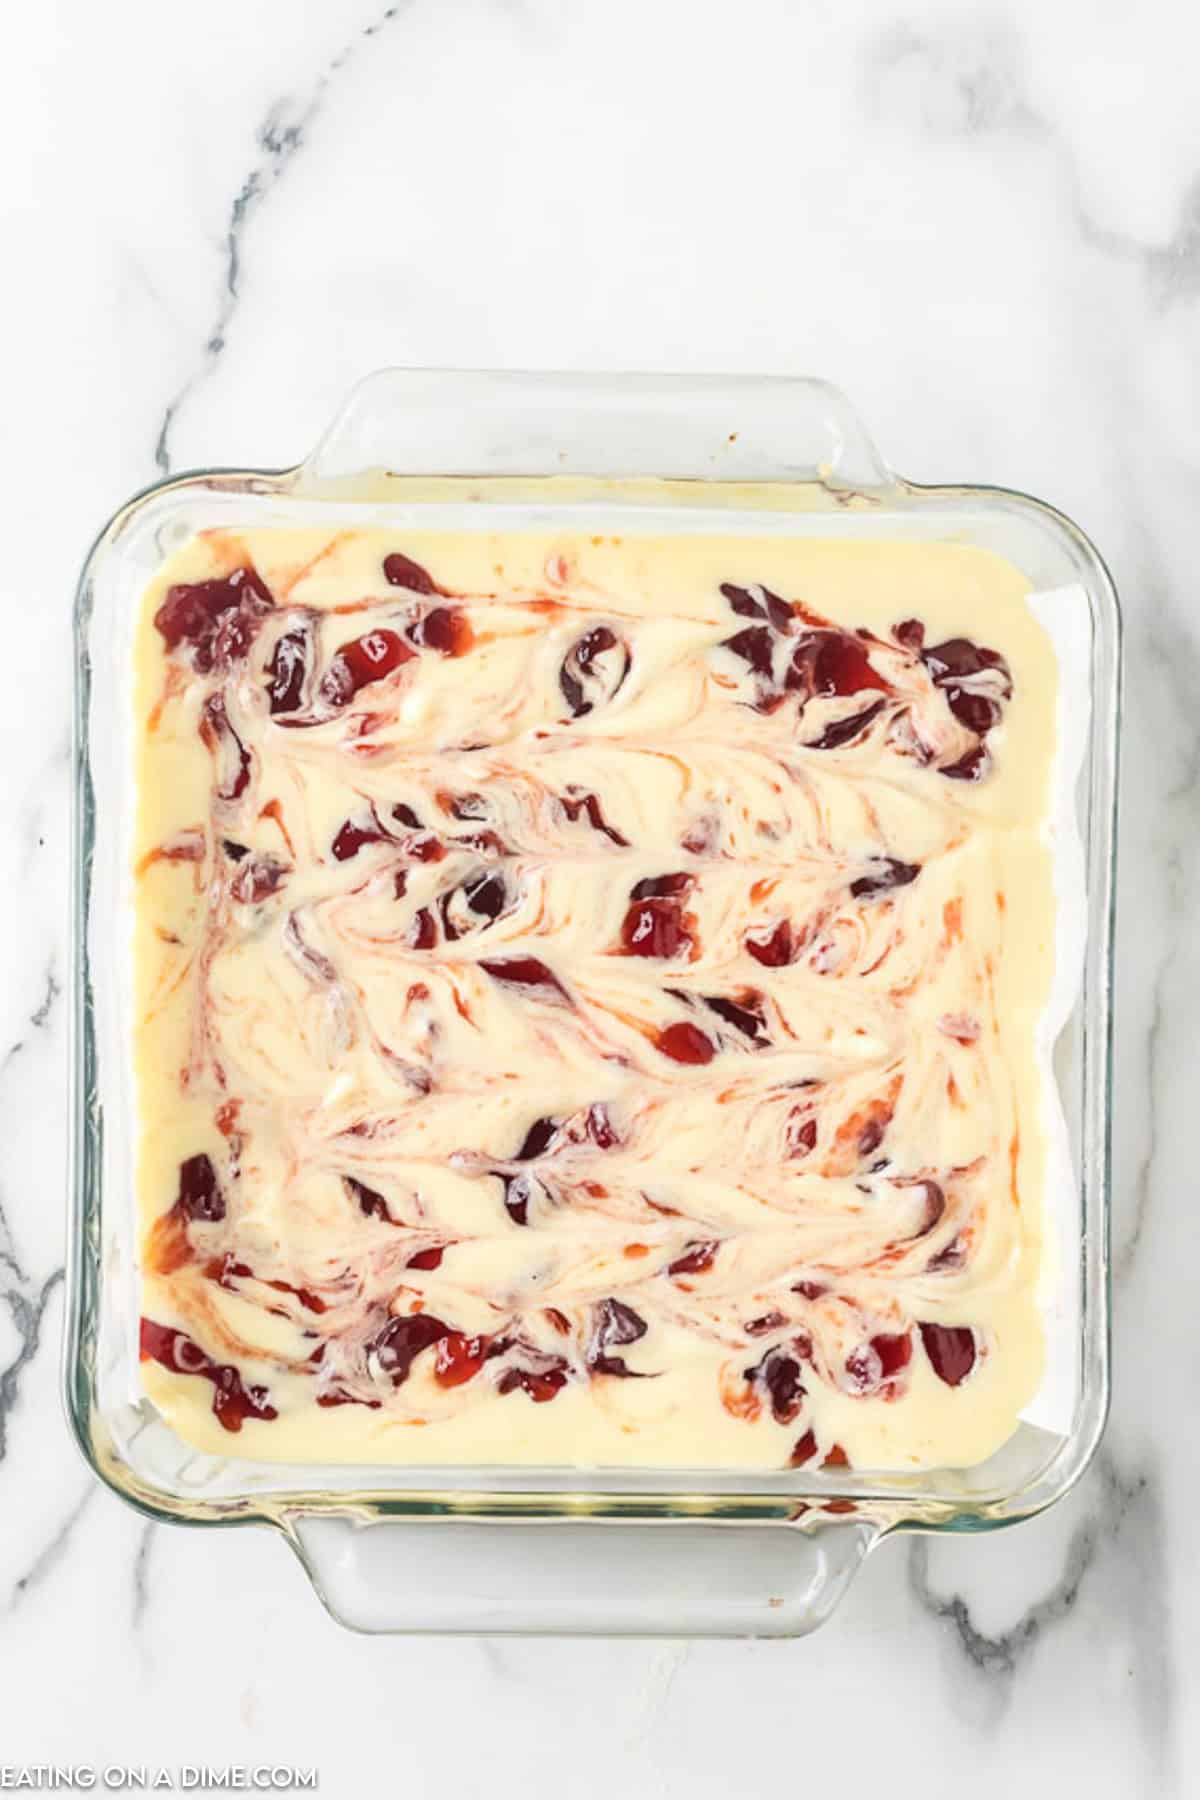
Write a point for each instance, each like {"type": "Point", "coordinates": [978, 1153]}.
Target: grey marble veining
{"type": "Point", "coordinates": [984, 222]}
{"type": "Point", "coordinates": [278, 139]}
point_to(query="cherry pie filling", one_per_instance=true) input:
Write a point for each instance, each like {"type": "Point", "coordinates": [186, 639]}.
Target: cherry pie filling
{"type": "Point", "coordinates": [742, 1174]}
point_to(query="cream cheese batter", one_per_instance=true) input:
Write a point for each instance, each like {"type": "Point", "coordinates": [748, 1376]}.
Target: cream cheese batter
{"type": "Point", "coordinates": [586, 998]}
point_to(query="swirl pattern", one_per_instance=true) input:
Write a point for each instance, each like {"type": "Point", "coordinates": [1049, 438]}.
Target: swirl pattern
{"type": "Point", "coordinates": [586, 998]}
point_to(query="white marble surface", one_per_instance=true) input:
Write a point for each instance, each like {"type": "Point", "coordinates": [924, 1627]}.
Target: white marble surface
{"type": "Point", "coordinates": [984, 222]}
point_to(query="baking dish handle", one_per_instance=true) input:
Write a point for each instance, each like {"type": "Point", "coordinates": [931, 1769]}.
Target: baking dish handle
{"type": "Point", "coordinates": [445, 422]}
{"type": "Point", "coordinates": [579, 1577]}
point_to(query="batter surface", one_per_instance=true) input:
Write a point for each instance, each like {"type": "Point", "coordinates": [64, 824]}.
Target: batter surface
{"type": "Point", "coordinates": [586, 997]}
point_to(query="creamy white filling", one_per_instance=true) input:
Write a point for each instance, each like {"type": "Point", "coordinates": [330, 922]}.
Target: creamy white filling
{"type": "Point", "coordinates": [322, 1009]}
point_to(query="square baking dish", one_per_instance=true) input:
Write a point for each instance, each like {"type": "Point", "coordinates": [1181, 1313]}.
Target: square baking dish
{"type": "Point", "coordinates": [496, 1549]}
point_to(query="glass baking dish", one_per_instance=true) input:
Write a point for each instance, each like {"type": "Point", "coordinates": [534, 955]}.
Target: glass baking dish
{"type": "Point", "coordinates": [637, 1552]}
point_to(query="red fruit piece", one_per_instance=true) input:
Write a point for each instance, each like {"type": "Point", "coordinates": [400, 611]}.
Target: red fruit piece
{"type": "Point", "coordinates": [351, 838]}
{"type": "Point", "coordinates": [877, 1362]}
{"type": "Point", "coordinates": [287, 670]}
{"type": "Point", "coordinates": [537, 1139]}
{"type": "Point", "coordinates": [802, 1141]}
{"type": "Point", "coordinates": [525, 972]}
{"type": "Point", "coordinates": [885, 873]}
{"type": "Point", "coordinates": [846, 731]}
{"type": "Point", "coordinates": [446, 629]}
{"type": "Point", "coordinates": [422, 933]}
{"type": "Point", "coordinates": [583, 684]}
{"type": "Point", "coordinates": [459, 1358]}
{"type": "Point", "coordinates": [614, 1324]}
{"type": "Point", "coordinates": [803, 1450]}
{"type": "Point", "coordinates": [617, 1323]}
{"type": "Point", "coordinates": [958, 659]}
{"type": "Point", "coordinates": [359, 663]}
{"type": "Point", "coordinates": [779, 1374]}
{"type": "Point", "coordinates": [686, 1043]}
{"type": "Point", "coordinates": [656, 928]}
{"type": "Point", "coordinates": [910, 633]}
{"type": "Point", "coordinates": [975, 681]}
{"type": "Point", "coordinates": [661, 887]}
{"type": "Point", "coordinates": [482, 894]}
{"type": "Point", "coordinates": [425, 848]}
{"type": "Point", "coordinates": [755, 646]}
{"type": "Point", "coordinates": [894, 1351]}
{"type": "Point", "coordinates": [233, 1402]}
{"type": "Point", "coordinates": [743, 602]}
{"type": "Point", "coordinates": [951, 1350]}
{"type": "Point", "coordinates": [977, 712]}
{"type": "Point", "coordinates": [193, 613]}
{"type": "Point", "coordinates": [774, 951]}
{"type": "Point", "coordinates": [695, 1259]}
{"type": "Point", "coordinates": [200, 1195]}
{"type": "Point", "coordinates": [810, 1290]}
{"type": "Point", "coordinates": [402, 571]}
{"type": "Point", "coordinates": [540, 1384]}
{"type": "Point", "coordinates": [758, 603]}
{"type": "Point", "coordinates": [426, 1259]}
{"type": "Point", "coordinates": [787, 1391]}
{"type": "Point", "coordinates": [832, 662]}
{"type": "Point", "coordinates": [745, 1014]}
{"type": "Point", "coordinates": [399, 1343]}
{"type": "Point", "coordinates": [370, 1204]}
{"type": "Point", "coordinates": [486, 895]}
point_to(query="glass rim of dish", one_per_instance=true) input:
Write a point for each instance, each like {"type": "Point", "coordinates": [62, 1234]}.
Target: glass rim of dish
{"type": "Point", "coordinates": [833, 479]}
